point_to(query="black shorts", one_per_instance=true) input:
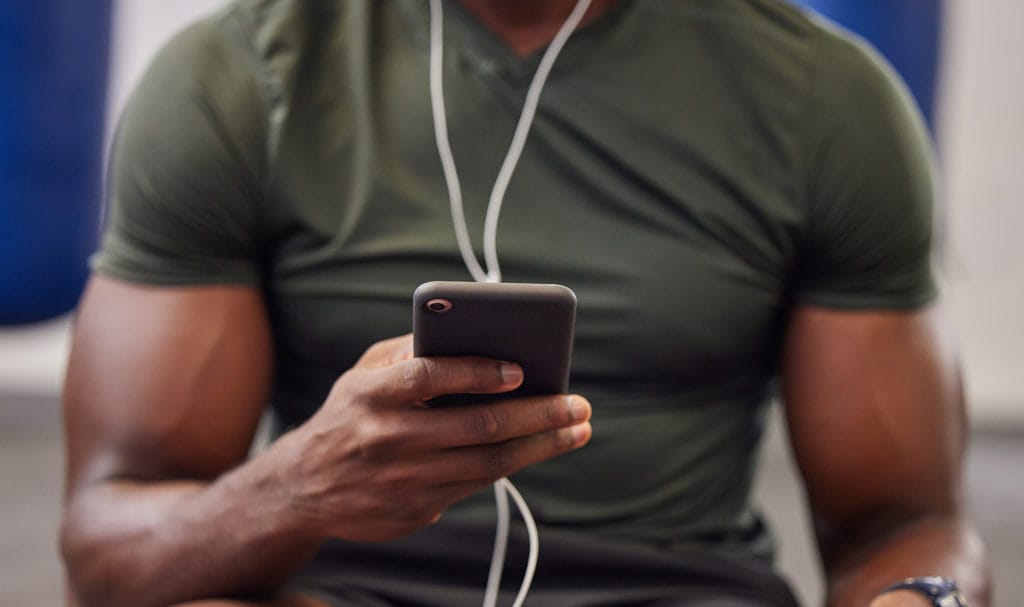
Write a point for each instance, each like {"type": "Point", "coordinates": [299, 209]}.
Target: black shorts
{"type": "Point", "coordinates": [446, 566]}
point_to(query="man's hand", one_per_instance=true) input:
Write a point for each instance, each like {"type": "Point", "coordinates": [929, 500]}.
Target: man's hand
{"type": "Point", "coordinates": [375, 464]}
{"type": "Point", "coordinates": [165, 387]}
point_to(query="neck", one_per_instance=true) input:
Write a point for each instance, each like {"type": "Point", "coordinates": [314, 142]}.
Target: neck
{"type": "Point", "coordinates": [529, 25]}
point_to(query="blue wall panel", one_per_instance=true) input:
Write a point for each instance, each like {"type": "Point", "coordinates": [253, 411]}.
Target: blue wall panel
{"type": "Point", "coordinates": [53, 62]}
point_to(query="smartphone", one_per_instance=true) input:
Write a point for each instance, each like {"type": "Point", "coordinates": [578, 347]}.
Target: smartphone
{"type": "Point", "coordinates": [529, 324]}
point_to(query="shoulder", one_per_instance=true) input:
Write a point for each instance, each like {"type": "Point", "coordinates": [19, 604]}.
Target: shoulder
{"type": "Point", "coordinates": [868, 181]}
{"type": "Point", "coordinates": [287, 36]}
{"type": "Point", "coordinates": [849, 73]}
{"type": "Point", "coordinates": [768, 50]}
{"type": "Point", "coordinates": [262, 36]}
{"type": "Point", "coordinates": [743, 24]}
{"type": "Point", "coordinates": [770, 33]}
{"type": "Point", "coordinates": [211, 65]}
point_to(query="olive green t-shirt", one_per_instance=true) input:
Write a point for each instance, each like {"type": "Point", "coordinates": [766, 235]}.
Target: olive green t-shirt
{"type": "Point", "coordinates": [696, 169]}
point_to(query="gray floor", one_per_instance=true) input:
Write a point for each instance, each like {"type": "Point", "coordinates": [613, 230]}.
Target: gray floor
{"type": "Point", "coordinates": [30, 470]}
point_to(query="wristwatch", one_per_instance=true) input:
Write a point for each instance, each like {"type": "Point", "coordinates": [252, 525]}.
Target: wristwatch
{"type": "Point", "coordinates": [942, 592]}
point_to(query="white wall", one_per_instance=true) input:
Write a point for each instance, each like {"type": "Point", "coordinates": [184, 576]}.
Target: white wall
{"type": "Point", "coordinates": [982, 146]}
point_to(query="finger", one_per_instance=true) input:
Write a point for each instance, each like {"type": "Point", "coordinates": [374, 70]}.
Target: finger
{"type": "Point", "coordinates": [444, 478]}
{"type": "Point", "coordinates": [501, 421]}
{"type": "Point", "coordinates": [488, 463]}
{"type": "Point", "coordinates": [420, 379]}
{"type": "Point", "coordinates": [387, 352]}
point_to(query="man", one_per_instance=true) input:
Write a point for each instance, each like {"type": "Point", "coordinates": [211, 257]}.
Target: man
{"type": "Point", "coordinates": [734, 192]}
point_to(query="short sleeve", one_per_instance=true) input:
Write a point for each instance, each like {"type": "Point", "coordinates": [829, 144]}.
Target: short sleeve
{"type": "Point", "coordinates": [184, 186]}
{"type": "Point", "coordinates": [870, 186]}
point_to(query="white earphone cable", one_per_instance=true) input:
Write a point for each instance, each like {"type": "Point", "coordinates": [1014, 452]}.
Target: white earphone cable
{"type": "Point", "coordinates": [500, 545]}
{"type": "Point", "coordinates": [515, 151]}
{"type": "Point", "coordinates": [534, 536]}
{"type": "Point", "coordinates": [502, 488]}
{"type": "Point", "coordinates": [444, 148]}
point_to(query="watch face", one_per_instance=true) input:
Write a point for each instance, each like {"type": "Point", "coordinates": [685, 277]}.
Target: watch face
{"type": "Point", "coordinates": [953, 599]}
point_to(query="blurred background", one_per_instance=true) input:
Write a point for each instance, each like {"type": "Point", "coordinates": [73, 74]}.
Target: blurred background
{"type": "Point", "coordinates": [67, 64]}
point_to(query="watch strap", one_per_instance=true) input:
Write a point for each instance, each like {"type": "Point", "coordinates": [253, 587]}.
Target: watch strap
{"type": "Point", "coordinates": [942, 592]}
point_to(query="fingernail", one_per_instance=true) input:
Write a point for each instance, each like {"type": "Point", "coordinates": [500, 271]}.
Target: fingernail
{"type": "Point", "coordinates": [579, 409]}
{"type": "Point", "coordinates": [581, 434]}
{"type": "Point", "coordinates": [511, 373]}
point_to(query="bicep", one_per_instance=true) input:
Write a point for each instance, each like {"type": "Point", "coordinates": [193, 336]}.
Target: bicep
{"type": "Point", "coordinates": [875, 413]}
{"type": "Point", "coordinates": [164, 382]}
{"type": "Point", "coordinates": [169, 382]}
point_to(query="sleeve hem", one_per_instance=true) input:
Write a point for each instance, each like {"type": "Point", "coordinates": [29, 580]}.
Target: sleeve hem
{"type": "Point", "coordinates": [249, 278]}
{"type": "Point", "coordinates": [864, 302]}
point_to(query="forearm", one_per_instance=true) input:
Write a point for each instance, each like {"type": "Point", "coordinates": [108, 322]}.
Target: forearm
{"type": "Point", "coordinates": [367, 466]}
{"type": "Point", "coordinates": [160, 543]}
{"type": "Point", "coordinates": [935, 545]}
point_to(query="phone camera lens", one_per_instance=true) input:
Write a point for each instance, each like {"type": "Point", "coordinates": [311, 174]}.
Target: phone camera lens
{"type": "Point", "coordinates": [439, 306]}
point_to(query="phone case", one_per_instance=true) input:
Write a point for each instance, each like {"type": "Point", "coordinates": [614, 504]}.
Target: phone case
{"type": "Point", "coordinates": [530, 324]}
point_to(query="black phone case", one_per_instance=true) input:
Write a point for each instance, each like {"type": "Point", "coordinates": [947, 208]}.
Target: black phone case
{"type": "Point", "coordinates": [530, 324]}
